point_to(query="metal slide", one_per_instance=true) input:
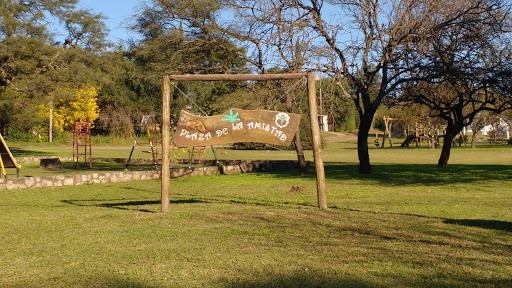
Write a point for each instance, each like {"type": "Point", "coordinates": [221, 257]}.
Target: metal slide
{"type": "Point", "coordinates": [6, 159]}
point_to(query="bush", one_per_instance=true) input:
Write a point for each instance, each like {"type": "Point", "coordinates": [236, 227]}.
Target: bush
{"type": "Point", "coordinates": [249, 146]}
{"type": "Point", "coordinates": [462, 139]}
{"type": "Point", "coordinates": [379, 123]}
{"type": "Point", "coordinates": [19, 134]}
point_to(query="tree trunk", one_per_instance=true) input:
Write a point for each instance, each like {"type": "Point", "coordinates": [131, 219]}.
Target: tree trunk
{"type": "Point", "coordinates": [362, 145]}
{"type": "Point", "coordinates": [447, 145]}
{"type": "Point", "coordinates": [50, 126]}
{"type": "Point", "coordinates": [473, 140]}
{"type": "Point", "coordinates": [303, 165]}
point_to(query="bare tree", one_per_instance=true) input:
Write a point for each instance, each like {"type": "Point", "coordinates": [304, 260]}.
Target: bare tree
{"type": "Point", "coordinates": [498, 129]}
{"type": "Point", "coordinates": [360, 41]}
{"type": "Point", "coordinates": [466, 67]}
{"type": "Point", "coordinates": [479, 122]}
{"type": "Point", "coordinates": [365, 42]}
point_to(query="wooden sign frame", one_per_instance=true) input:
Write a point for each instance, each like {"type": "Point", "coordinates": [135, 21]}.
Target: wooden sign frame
{"type": "Point", "coordinates": [166, 127]}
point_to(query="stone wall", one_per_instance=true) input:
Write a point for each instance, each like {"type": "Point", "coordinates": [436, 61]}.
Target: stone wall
{"type": "Point", "coordinates": [30, 159]}
{"type": "Point", "coordinates": [226, 167]}
{"type": "Point", "coordinates": [68, 180]}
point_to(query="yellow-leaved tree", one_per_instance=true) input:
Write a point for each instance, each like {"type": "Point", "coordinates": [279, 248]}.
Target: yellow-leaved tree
{"type": "Point", "coordinates": [79, 105]}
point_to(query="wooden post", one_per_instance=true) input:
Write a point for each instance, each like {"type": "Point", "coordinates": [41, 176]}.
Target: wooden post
{"type": "Point", "coordinates": [317, 143]}
{"type": "Point", "coordinates": [50, 128]}
{"type": "Point", "coordinates": [166, 140]}
{"type": "Point", "coordinates": [235, 77]}
{"type": "Point", "coordinates": [389, 135]}
{"type": "Point", "coordinates": [386, 123]}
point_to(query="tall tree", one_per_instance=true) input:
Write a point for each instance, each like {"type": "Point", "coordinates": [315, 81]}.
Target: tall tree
{"type": "Point", "coordinates": [169, 46]}
{"type": "Point", "coordinates": [466, 67]}
{"type": "Point", "coordinates": [368, 43]}
{"type": "Point", "coordinates": [482, 119]}
{"type": "Point", "coordinates": [371, 44]}
{"type": "Point", "coordinates": [362, 41]}
{"type": "Point", "coordinates": [31, 64]}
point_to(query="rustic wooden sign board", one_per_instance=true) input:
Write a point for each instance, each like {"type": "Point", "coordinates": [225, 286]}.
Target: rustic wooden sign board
{"type": "Point", "coordinates": [236, 125]}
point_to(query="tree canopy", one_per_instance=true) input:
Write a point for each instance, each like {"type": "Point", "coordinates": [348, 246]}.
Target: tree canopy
{"type": "Point", "coordinates": [453, 58]}
{"type": "Point", "coordinates": [465, 68]}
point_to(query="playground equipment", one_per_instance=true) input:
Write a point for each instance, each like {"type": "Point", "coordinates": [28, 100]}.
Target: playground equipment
{"type": "Point", "coordinates": [152, 132]}
{"type": "Point", "coordinates": [179, 154]}
{"type": "Point", "coordinates": [82, 138]}
{"type": "Point", "coordinates": [421, 132]}
{"type": "Point", "coordinates": [151, 124]}
{"type": "Point", "coordinates": [189, 156]}
{"type": "Point", "coordinates": [192, 155]}
{"type": "Point", "coordinates": [197, 155]}
{"type": "Point", "coordinates": [388, 122]}
{"type": "Point", "coordinates": [6, 159]}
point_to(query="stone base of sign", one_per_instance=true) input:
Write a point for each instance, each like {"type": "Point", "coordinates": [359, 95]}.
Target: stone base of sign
{"type": "Point", "coordinates": [50, 163]}
{"type": "Point", "coordinates": [225, 167]}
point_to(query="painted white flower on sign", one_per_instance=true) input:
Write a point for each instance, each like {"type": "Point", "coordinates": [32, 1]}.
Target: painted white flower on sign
{"type": "Point", "coordinates": [282, 119]}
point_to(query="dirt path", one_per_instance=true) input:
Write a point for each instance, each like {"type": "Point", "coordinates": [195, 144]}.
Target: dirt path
{"type": "Point", "coordinates": [339, 137]}
{"type": "Point", "coordinates": [71, 147]}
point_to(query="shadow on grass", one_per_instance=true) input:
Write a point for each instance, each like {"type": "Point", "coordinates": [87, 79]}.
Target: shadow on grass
{"type": "Point", "coordinates": [247, 201]}
{"type": "Point", "coordinates": [486, 224]}
{"type": "Point", "coordinates": [478, 223]}
{"type": "Point", "coordinates": [310, 278]}
{"type": "Point", "coordinates": [106, 166]}
{"type": "Point", "coordinates": [305, 278]}
{"type": "Point", "coordinates": [19, 152]}
{"type": "Point", "coordinates": [127, 205]}
{"type": "Point", "coordinates": [406, 174]}
{"type": "Point", "coordinates": [301, 279]}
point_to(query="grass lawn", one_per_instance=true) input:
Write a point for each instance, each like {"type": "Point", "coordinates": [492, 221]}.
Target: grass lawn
{"type": "Point", "coordinates": [409, 224]}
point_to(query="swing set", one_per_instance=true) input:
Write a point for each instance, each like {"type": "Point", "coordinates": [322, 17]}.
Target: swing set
{"type": "Point", "coordinates": [181, 155]}
{"type": "Point", "coordinates": [150, 123]}
{"type": "Point", "coordinates": [192, 155]}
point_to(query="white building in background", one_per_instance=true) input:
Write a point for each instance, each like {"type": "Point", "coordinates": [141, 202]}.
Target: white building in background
{"type": "Point", "coordinates": [502, 125]}
{"type": "Point", "coordinates": [489, 129]}
{"type": "Point", "coordinates": [323, 121]}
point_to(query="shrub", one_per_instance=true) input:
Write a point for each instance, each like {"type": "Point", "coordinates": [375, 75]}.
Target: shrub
{"type": "Point", "coordinates": [19, 134]}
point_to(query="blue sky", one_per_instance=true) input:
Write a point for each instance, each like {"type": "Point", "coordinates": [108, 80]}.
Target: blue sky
{"type": "Point", "coordinates": [118, 13]}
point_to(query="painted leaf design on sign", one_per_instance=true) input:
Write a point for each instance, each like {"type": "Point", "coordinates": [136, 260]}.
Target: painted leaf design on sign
{"type": "Point", "coordinates": [231, 118]}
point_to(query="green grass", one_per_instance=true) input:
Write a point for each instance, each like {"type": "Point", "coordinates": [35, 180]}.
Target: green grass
{"type": "Point", "coordinates": [65, 151]}
{"type": "Point", "coordinates": [409, 224]}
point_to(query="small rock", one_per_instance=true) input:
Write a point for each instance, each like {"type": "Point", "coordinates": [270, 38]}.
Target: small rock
{"type": "Point", "coordinates": [296, 189]}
